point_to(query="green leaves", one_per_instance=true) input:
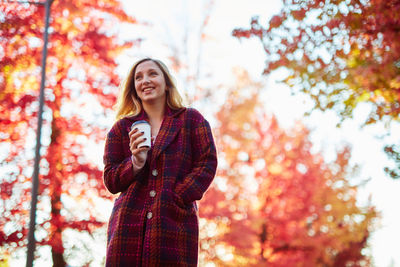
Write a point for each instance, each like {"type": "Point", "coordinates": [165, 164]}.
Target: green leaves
{"type": "Point", "coordinates": [349, 54]}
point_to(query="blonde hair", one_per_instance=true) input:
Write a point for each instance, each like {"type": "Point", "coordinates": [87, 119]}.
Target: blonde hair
{"type": "Point", "coordinates": [128, 101]}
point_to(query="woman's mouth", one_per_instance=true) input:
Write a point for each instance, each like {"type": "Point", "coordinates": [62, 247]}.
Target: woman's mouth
{"type": "Point", "coordinates": [147, 90]}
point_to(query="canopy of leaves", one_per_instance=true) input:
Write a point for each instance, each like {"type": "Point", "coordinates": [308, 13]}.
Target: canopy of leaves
{"type": "Point", "coordinates": [274, 202]}
{"type": "Point", "coordinates": [341, 53]}
{"type": "Point", "coordinates": [82, 51]}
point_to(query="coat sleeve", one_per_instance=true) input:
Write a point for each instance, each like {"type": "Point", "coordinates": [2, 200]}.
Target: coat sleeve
{"type": "Point", "coordinates": [118, 169]}
{"type": "Point", "coordinates": [195, 184]}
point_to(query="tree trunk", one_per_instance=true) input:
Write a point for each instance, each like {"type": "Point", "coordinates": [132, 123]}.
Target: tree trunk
{"type": "Point", "coordinates": [263, 238]}
{"type": "Point", "coordinates": [57, 248]}
{"type": "Point", "coordinates": [56, 241]}
{"type": "Point", "coordinates": [58, 259]}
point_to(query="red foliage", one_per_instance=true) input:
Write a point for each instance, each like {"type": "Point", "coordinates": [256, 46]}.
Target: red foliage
{"type": "Point", "coordinates": [81, 66]}
{"type": "Point", "coordinates": [341, 53]}
{"type": "Point", "coordinates": [273, 202]}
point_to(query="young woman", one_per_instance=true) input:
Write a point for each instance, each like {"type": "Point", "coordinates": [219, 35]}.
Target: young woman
{"type": "Point", "coordinates": [154, 221]}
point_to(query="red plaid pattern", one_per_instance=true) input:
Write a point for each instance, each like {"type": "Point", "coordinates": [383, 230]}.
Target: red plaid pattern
{"type": "Point", "coordinates": [154, 221]}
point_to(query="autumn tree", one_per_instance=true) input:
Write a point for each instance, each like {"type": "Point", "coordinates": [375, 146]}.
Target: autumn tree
{"type": "Point", "coordinates": [80, 90]}
{"type": "Point", "coordinates": [274, 202]}
{"type": "Point", "coordinates": [340, 53]}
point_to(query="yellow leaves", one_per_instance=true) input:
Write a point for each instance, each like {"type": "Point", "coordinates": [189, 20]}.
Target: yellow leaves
{"type": "Point", "coordinates": [221, 205]}
{"type": "Point", "coordinates": [4, 257]}
{"type": "Point", "coordinates": [59, 166]}
{"type": "Point", "coordinates": [20, 79]}
{"type": "Point", "coordinates": [389, 96]}
{"type": "Point", "coordinates": [275, 168]}
{"type": "Point", "coordinates": [353, 60]}
{"type": "Point", "coordinates": [30, 83]}
{"type": "Point", "coordinates": [56, 114]}
{"type": "Point", "coordinates": [268, 253]}
{"type": "Point", "coordinates": [7, 69]}
{"type": "Point", "coordinates": [365, 96]}
{"type": "Point", "coordinates": [395, 83]}
{"type": "Point", "coordinates": [66, 25]}
{"type": "Point", "coordinates": [16, 38]}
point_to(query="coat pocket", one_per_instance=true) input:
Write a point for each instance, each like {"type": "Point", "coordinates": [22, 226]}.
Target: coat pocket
{"type": "Point", "coordinates": [180, 203]}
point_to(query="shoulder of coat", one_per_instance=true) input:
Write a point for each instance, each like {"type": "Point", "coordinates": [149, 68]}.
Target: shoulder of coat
{"type": "Point", "coordinates": [194, 117]}
{"type": "Point", "coordinates": [193, 113]}
{"type": "Point", "coordinates": [120, 125]}
{"type": "Point", "coordinates": [176, 112]}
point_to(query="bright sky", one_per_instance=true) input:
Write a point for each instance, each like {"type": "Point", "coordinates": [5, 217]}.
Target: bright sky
{"type": "Point", "coordinates": [221, 52]}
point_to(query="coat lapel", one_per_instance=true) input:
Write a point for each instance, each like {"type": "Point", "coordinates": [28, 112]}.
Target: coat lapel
{"type": "Point", "coordinates": [170, 126]}
{"type": "Point", "coordinates": [141, 116]}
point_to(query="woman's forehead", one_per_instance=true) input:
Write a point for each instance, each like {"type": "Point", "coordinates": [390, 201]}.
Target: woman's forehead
{"type": "Point", "coordinates": [147, 65]}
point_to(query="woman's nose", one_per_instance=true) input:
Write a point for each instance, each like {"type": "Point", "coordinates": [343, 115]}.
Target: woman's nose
{"type": "Point", "coordinates": [146, 79]}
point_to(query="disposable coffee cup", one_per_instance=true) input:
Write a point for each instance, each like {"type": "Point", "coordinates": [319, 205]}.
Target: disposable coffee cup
{"type": "Point", "coordinates": [143, 126]}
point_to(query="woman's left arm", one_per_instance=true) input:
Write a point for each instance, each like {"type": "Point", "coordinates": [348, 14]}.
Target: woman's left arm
{"type": "Point", "coordinates": [194, 185]}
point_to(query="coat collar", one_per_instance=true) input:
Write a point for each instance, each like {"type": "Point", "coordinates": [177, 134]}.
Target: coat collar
{"type": "Point", "coordinates": [170, 126]}
{"type": "Point", "coordinates": [169, 112]}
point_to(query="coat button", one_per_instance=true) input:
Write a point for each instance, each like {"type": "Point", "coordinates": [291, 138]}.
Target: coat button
{"type": "Point", "coordinates": [152, 193]}
{"type": "Point", "coordinates": [149, 215]}
{"type": "Point", "coordinates": [154, 172]}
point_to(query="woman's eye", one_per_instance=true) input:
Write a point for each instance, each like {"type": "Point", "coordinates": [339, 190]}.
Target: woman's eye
{"type": "Point", "coordinates": [138, 77]}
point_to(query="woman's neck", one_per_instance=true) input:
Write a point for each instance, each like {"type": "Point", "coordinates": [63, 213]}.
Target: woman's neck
{"type": "Point", "coordinates": [155, 111]}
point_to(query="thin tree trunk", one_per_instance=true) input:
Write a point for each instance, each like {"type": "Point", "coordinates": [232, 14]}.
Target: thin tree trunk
{"type": "Point", "coordinates": [263, 238]}
{"type": "Point", "coordinates": [57, 247]}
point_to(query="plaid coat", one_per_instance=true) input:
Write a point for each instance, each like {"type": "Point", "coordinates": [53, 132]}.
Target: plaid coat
{"type": "Point", "coordinates": [154, 221]}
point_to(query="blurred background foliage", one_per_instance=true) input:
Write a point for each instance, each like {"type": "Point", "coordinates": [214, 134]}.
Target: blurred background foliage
{"type": "Point", "coordinates": [274, 201]}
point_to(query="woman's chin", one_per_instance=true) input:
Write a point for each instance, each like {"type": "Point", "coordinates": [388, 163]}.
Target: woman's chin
{"type": "Point", "coordinates": [152, 99]}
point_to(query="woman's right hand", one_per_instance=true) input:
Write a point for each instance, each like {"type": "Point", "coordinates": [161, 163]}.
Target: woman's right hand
{"type": "Point", "coordinates": [139, 154]}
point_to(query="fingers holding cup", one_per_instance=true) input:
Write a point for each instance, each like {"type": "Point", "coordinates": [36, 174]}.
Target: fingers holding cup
{"type": "Point", "coordinates": [139, 141]}
{"type": "Point", "coordinates": [143, 127]}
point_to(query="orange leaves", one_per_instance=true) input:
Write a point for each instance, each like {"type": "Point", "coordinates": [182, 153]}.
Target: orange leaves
{"type": "Point", "coordinates": [367, 29]}
{"type": "Point", "coordinates": [282, 205]}
{"type": "Point", "coordinates": [298, 14]}
{"type": "Point", "coordinates": [81, 82]}
{"type": "Point", "coordinates": [275, 21]}
{"type": "Point", "coordinates": [349, 51]}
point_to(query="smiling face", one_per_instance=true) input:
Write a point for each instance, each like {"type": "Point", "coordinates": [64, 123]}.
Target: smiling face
{"type": "Point", "coordinates": [150, 82]}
